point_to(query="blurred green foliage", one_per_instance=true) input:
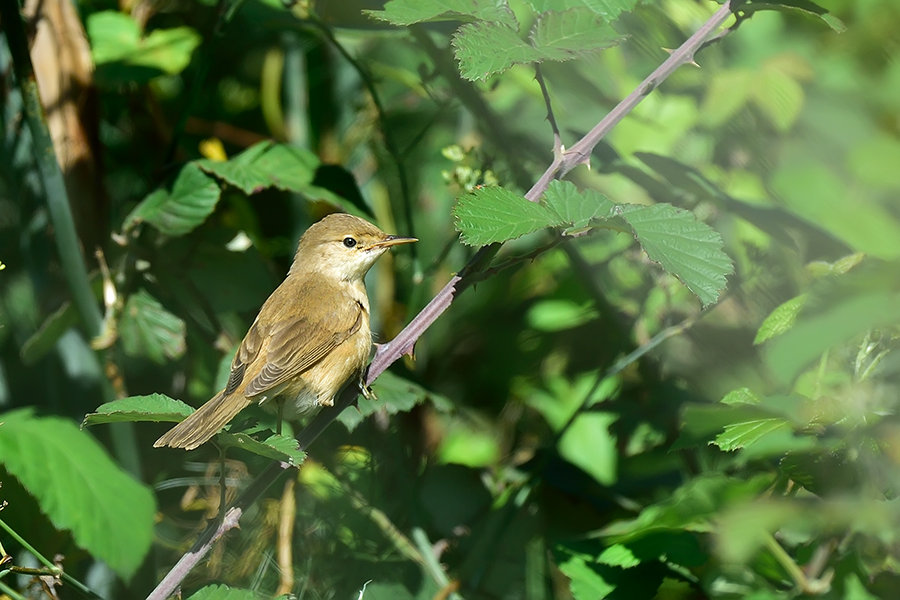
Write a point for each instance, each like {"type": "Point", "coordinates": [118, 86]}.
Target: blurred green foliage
{"type": "Point", "coordinates": [575, 426]}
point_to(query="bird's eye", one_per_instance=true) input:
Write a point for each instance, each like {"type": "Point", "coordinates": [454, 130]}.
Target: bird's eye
{"type": "Point", "coordinates": [349, 242]}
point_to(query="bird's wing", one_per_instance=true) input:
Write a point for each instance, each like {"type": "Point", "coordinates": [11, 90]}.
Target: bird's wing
{"type": "Point", "coordinates": [283, 343]}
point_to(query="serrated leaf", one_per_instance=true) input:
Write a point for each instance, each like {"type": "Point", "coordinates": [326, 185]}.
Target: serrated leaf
{"type": "Point", "coordinates": [780, 320]}
{"type": "Point", "coordinates": [608, 9]}
{"type": "Point", "coordinates": [484, 49]}
{"type": "Point", "coordinates": [739, 435]}
{"type": "Point", "coordinates": [802, 6]}
{"type": "Point", "coordinates": [223, 592]}
{"type": "Point", "coordinates": [577, 207]}
{"type": "Point", "coordinates": [277, 447]}
{"type": "Point", "coordinates": [155, 407]}
{"type": "Point", "coordinates": [394, 394]}
{"type": "Point", "coordinates": [575, 32]}
{"type": "Point", "coordinates": [266, 165]}
{"type": "Point", "coordinates": [618, 555]}
{"type": "Point", "coordinates": [493, 214]}
{"type": "Point", "coordinates": [193, 198]}
{"type": "Point", "coordinates": [741, 396]}
{"type": "Point", "coordinates": [79, 487]}
{"type": "Point", "coordinates": [148, 329]}
{"type": "Point", "coordinates": [685, 247]}
{"type": "Point", "coordinates": [407, 12]}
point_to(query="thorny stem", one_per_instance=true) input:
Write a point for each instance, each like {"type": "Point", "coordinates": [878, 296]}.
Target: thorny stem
{"type": "Point", "coordinates": [390, 352]}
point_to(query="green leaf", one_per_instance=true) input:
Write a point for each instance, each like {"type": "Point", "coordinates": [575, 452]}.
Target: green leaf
{"type": "Point", "coordinates": [120, 53]}
{"type": "Point", "coordinates": [79, 487]}
{"type": "Point", "coordinates": [493, 214]}
{"type": "Point", "coordinates": [691, 507]}
{"type": "Point", "coordinates": [193, 198]}
{"type": "Point", "coordinates": [407, 12]}
{"type": "Point", "coordinates": [155, 407]}
{"type": "Point", "coordinates": [559, 315]}
{"type": "Point", "coordinates": [589, 445]}
{"type": "Point", "coordinates": [741, 396]}
{"type": "Point", "coordinates": [385, 591]}
{"type": "Point", "coordinates": [266, 165]}
{"type": "Point", "coordinates": [51, 330]}
{"type": "Point", "coordinates": [148, 329]}
{"type": "Point", "coordinates": [585, 583]}
{"type": "Point", "coordinates": [802, 6]}
{"type": "Point", "coordinates": [739, 435]}
{"type": "Point", "coordinates": [277, 447]}
{"type": "Point", "coordinates": [728, 91]}
{"type": "Point", "coordinates": [484, 49]}
{"type": "Point", "coordinates": [811, 336]}
{"type": "Point", "coordinates": [780, 320]}
{"type": "Point", "coordinates": [608, 9]}
{"type": "Point", "coordinates": [573, 33]}
{"type": "Point", "coordinates": [685, 247]}
{"type": "Point", "coordinates": [618, 555]}
{"type": "Point", "coordinates": [223, 592]}
{"type": "Point", "coordinates": [575, 207]}
{"type": "Point", "coordinates": [394, 394]}
{"type": "Point", "coordinates": [779, 97]}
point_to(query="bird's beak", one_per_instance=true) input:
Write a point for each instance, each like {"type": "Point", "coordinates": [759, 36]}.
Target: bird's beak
{"type": "Point", "coordinates": [393, 240]}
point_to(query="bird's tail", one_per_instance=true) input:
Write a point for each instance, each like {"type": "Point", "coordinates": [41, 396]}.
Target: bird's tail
{"type": "Point", "coordinates": [205, 422]}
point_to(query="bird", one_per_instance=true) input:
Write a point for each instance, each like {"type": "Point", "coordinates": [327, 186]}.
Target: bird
{"type": "Point", "coordinates": [310, 337]}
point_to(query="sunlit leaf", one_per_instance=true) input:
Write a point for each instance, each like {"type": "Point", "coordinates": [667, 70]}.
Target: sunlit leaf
{"type": "Point", "coordinates": [779, 97]}
{"type": "Point", "coordinates": [276, 447]}
{"type": "Point", "coordinates": [193, 197]}
{"type": "Point", "coordinates": [266, 165]}
{"type": "Point", "coordinates": [407, 12]}
{"type": "Point", "coordinates": [575, 207]}
{"type": "Point", "coordinates": [79, 487]}
{"type": "Point", "coordinates": [589, 444]}
{"type": "Point", "coordinates": [608, 9]}
{"type": "Point", "coordinates": [685, 247]}
{"type": "Point", "coordinates": [741, 396]}
{"type": "Point", "coordinates": [223, 592]}
{"type": "Point", "coordinates": [484, 49]}
{"type": "Point", "coordinates": [739, 435]}
{"type": "Point", "coordinates": [155, 407]}
{"type": "Point", "coordinates": [585, 582]}
{"type": "Point", "coordinates": [559, 315]}
{"type": "Point", "coordinates": [120, 52]}
{"type": "Point", "coordinates": [148, 329]}
{"type": "Point", "coordinates": [494, 214]}
{"type": "Point", "coordinates": [575, 32]}
{"type": "Point", "coordinates": [780, 320]}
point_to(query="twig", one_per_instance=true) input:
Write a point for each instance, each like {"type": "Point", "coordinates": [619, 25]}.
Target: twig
{"type": "Point", "coordinates": [580, 152]}
{"type": "Point", "coordinates": [558, 148]}
{"type": "Point", "coordinates": [388, 353]}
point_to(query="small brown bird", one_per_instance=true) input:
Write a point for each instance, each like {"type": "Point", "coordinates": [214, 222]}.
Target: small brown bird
{"type": "Point", "coordinates": [310, 336]}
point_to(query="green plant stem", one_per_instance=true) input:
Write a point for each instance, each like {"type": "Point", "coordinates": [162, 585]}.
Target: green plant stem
{"type": "Point", "coordinates": [67, 244]}
{"type": "Point", "coordinates": [786, 562]}
{"type": "Point", "coordinates": [54, 570]}
{"type": "Point", "coordinates": [11, 592]}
